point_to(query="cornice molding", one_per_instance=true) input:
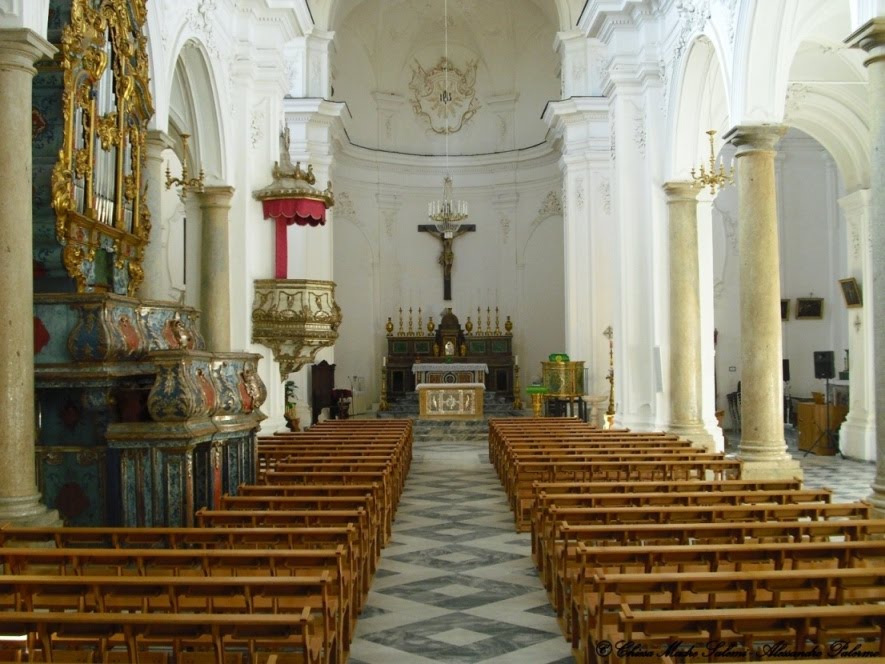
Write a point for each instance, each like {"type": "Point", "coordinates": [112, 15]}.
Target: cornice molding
{"type": "Point", "coordinates": [370, 160]}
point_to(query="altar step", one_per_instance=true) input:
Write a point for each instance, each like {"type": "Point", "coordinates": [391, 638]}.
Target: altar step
{"type": "Point", "coordinates": [451, 430]}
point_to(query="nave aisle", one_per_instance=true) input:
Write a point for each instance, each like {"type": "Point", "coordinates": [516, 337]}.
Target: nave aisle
{"type": "Point", "coordinates": [456, 583]}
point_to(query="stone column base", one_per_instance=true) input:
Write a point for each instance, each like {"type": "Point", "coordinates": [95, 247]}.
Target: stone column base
{"type": "Point", "coordinates": [784, 468]}
{"type": "Point", "coordinates": [696, 433]}
{"type": "Point", "coordinates": [877, 497]}
{"type": "Point", "coordinates": [28, 511]}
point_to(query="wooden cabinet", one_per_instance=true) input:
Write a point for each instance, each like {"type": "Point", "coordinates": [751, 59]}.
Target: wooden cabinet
{"type": "Point", "coordinates": [812, 423]}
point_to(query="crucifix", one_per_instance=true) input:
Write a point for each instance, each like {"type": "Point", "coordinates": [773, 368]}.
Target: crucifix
{"type": "Point", "coordinates": [447, 255]}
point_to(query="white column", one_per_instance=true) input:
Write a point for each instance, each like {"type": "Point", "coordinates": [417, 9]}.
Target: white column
{"type": "Point", "coordinates": [685, 314]}
{"type": "Point", "coordinates": [871, 38]}
{"type": "Point", "coordinates": [215, 267]}
{"type": "Point", "coordinates": [19, 499]}
{"type": "Point", "coordinates": [763, 450]}
{"type": "Point", "coordinates": [155, 286]}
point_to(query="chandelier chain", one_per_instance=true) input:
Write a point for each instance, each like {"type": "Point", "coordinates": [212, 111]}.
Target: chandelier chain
{"type": "Point", "coordinates": [447, 213]}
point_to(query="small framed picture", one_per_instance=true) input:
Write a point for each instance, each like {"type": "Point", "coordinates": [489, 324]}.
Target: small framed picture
{"type": "Point", "coordinates": [785, 309]}
{"type": "Point", "coordinates": [809, 307]}
{"type": "Point", "coordinates": [851, 292]}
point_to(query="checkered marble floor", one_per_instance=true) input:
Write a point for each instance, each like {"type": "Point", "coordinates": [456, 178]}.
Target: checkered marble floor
{"type": "Point", "coordinates": [457, 583]}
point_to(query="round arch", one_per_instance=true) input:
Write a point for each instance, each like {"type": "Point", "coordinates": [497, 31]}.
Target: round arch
{"type": "Point", "coordinates": [699, 102]}
{"type": "Point", "coordinates": [191, 72]}
{"type": "Point", "coordinates": [768, 35]}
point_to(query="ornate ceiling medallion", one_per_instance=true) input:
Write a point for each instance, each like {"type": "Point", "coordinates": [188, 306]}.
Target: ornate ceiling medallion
{"type": "Point", "coordinates": [446, 110]}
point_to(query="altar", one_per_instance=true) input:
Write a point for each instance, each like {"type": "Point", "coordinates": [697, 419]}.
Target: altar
{"type": "Point", "coordinates": [450, 390]}
{"type": "Point", "coordinates": [450, 401]}
{"type": "Point", "coordinates": [449, 372]}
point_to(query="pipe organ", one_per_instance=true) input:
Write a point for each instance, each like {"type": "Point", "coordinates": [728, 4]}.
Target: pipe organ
{"type": "Point", "coordinates": [102, 220]}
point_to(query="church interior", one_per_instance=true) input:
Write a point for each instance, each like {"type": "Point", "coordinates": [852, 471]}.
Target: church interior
{"type": "Point", "coordinates": [442, 330]}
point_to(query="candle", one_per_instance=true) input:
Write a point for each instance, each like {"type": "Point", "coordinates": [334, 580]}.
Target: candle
{"type": "Point", "coordinates": [516, 360]}
{"type": "Point", "coordinates": [384, 361]}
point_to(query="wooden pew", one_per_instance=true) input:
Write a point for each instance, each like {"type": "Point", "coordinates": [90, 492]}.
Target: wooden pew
{"type": "Point", "coordinates": [366, 501]}
{"type": "Point", "coordinates": [563, 545]}
{"type": "Point", "coordinates": [520, 485]}
{"type": "Point", "coordinates": [344, 583]}
{"type": "Point", "coordinates": [546, 503]}
{"type": "Point", "coordinates": [367, 540]}
{"type": "Point", "coordinates": [216, 634]}
{"type": "Point", "coordinates": [590, 560]}
{"type": "Point", "coordinates": [523, 516]}
{"type": "Point", "coordinates": [597, 606]}
{"type": "Point", "coordinates": [749, 630]}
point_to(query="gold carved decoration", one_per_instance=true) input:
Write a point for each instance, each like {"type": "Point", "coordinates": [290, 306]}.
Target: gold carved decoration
{"type": "Point", "coordinates": [295, 318]}
{"type": "Point", "coordinates": [97, 182]}
{"type": "Point", "coordinates": [447, 108]}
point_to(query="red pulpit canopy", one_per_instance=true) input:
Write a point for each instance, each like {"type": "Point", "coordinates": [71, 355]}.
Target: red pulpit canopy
{"type": "Point", "coordinates": [292, 199]}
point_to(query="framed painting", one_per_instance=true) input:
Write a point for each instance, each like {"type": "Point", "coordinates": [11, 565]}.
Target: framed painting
{"type": "Point", "coordinates": [851, 292]}
{"type": "Point", "coordinates": [809, 308]}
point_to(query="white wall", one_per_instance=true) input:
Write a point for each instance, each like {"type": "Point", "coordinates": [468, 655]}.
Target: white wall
{"type": "Point", "coordinates": [513, 260]}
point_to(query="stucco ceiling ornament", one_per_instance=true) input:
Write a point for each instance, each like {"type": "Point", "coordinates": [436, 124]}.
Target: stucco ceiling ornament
{"type": "Point", "coordinates": [446, 111]}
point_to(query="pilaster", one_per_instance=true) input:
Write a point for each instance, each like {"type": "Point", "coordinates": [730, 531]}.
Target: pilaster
{"type": "Point", "coordinates": [857, 435]}
{"type": "Point", "coordinates": [308, 61]}
{"type": "Point", "coordinates": [871, 38]}
{"type": "Point", "coordinates": [314, 126]}
{"type": "Point", "coordinates": [155, 286]}
{"type": "Point", "coordinates": [580, 127]}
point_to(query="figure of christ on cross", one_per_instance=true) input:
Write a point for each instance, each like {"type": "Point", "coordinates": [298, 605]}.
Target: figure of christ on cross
{"type": "Point", "coordinates": [447, 255]}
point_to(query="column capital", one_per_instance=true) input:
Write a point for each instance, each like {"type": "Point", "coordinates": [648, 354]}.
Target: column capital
{"type": "Point", "coordinates": [681, 190]}
{"type": "Point", "coordinates": [20, 48]}
{"type": "Point", "coordinates": [754, 138]}
{"type": "Point", "coordinates": [158, 140]}
{"type": "Point", "coordinates": [871, 38]}
{"type": "Point", "coordinates": [216, 197]}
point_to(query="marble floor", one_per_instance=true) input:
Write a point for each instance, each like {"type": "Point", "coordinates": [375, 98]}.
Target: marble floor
{"type": "Point", "coordinates": [457, 583]}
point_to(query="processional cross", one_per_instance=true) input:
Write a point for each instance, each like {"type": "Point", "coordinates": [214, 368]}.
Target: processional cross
{"type": "Point", "coordinates": [447, 255]}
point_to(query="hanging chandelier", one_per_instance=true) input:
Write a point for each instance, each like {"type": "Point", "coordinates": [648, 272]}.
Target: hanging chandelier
{"type": "Point", "coordinates": [711, 178]}
{"type": "Point", "coordinates": [447, 213]}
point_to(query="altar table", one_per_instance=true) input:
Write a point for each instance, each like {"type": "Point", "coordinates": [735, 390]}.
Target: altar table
{"type": "Point", "coordinates": [450, 401]}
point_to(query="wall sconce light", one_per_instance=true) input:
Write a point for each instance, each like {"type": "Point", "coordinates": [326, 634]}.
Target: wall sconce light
{"type": "Point", "coordinates": [186, 183]}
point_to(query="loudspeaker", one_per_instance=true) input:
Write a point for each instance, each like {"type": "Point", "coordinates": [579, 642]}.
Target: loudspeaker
{"type": "Point", "coordinates": [786, 371]}
{"type": "Point", "coordinates": [824, 364]}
